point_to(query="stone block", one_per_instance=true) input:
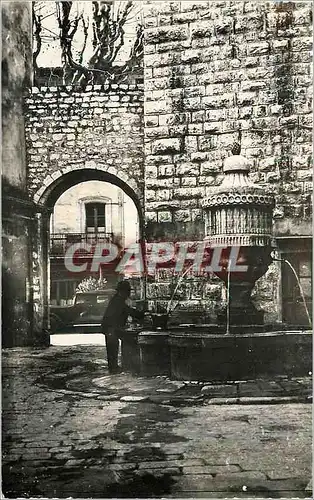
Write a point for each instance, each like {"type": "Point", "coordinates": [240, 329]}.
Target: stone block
{"type": "Point", "coordinates": [157, 83]}
{"type": "Point", "coordinates": [167, 146]}
{"type": "Point", "coordinates": [191, 56]}
{"type": "Point", "coordinates": [164, 216]}
{"type": "Point", "coordinates": [58, 137]}
{"type": "Point", "coordinates": [257, 49]}
{"type": "Point", "coordinates": [199, 156]}
{"type": "Point", "coordinates": [188, 181]}
{"type": "Point", "coordinates": [223, 25]}
{"type": "Point", "coordinates": [252, 85]}
{"type": "Point", "coordinates": [187, 169]}
{"type": "Point", "coordinates": [192, 103]}
{"type": "Point", "coordinates": [178, 130]}
{"type": "Point", "coordinates": [191, 143]}
{"type": "Point", "coordinates": [165, 170]}
{"type": "Point", "coordinates": [205, 143]}
{"type": "Point", "coordinates": [199, 5]}
{"type": "Point", "coordinates": [210, 469]}
{"type": "Point", "coordinates": [161, 72]}
{"type": "Point", "coordinates": [224, 76]}
{"type": "Point", "coordinates": [163, 59]}
{"type": "Point", "coordinates": [289, 121]}
{"type": "Point", "coordinates": [185, 17]}
{"type": "Point", "coordinates": [166, 34]}
{"type": "Point", "coordinates": [163, 195]}
{"type": "Point", "coordinates": [218, 101]}
{"type": "Point", "coordinates": [213, 127]}
{"type": "Point", "coordinates": [151, 121]}
{"type": "Point", "coordinates": [304, 175]}
{"type": "Point", "coordinates": [153, 132]}
{"type": "Point", "coordinates": [299, 44]}
{"type": "Point", "coordinates": [182, 215]}
{"type": "Point", "coordinates": [158, 106]}
{"type": "Point", "coordinates": [186, 193]}
{"type": "Point", "coordinates": [153, 160]}
{"type": "Point", "coordinates": [197, 116]}
{"type": "Point", "coordinates": [150, 195]}
{"type": "Point", "coordinates": [201, 29]}
{"type": "Point", "coordinates": [253, 23]}
{"type": "Point", "coordinates": [195, 128]}
{"type": "Point", "coordinates": [211, 168]}
{"type": "Point", "coordinates": [150, 216]}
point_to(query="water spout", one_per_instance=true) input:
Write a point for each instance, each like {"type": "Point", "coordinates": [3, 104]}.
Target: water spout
{"type": "Point", "coordinates": [301, 291]}
{"type": "Point", "coordinates": [228, 300]}
{"type": "Point", "coordinates": [300, 287]}
{"type": "Point", "coordinates": [177, 286]}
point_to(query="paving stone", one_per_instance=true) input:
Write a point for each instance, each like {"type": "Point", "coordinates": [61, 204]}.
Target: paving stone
{"type": "Point", "coordinates": [60, 449]}
{"type": "Point", "coordinates": [194, 483]}
{"type": "Point", "coordinates": [219, 390]}
{"type": "Point", "coordinates": [133, 399]}
{"type": "Point", "coordinates": [170, 463]}
{"type": "Point", "coordinates": [222, 401]}
{"type": "Point", "coordinates": [74, 463]}
{"type": "Point", "coordinates": [210, 469]}
{"type": "Point", "coordinates": [123, 467]}
{"type": "Point", "coordinates": [279, 474]}
{"type": "Point", "coordinates": [159, 471]}
{"type": "Point", "coordinates": [271, 399]}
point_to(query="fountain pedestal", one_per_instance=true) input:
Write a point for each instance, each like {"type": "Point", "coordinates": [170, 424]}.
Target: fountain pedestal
{"type": "Point", "coordinates": [238, 220]}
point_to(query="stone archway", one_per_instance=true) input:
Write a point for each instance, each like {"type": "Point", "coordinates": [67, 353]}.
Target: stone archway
{"type": "Point", "coordinates": [45, 198]}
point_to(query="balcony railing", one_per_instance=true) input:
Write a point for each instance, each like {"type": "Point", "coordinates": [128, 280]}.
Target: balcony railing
{"type": "Point", "coordinates": [60, 242]}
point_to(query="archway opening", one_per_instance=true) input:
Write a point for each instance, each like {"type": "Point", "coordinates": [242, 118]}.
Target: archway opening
{"type": "Point", "coordinates": [87, 208]}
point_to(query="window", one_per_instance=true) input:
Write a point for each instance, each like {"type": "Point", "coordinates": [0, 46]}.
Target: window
{"type": "Point", "coordinates": [95, 217]}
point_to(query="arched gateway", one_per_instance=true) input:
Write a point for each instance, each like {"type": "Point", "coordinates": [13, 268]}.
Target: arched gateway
{"type": "Point", "coordinates": [75, 135]}
{"type": "Point", "coordinates": [45, 198]}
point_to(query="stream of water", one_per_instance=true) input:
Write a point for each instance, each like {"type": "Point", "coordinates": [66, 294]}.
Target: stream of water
{"type": "Point", "coordinates": [301, 290]}
{"type": "Point", "coordinates": [177, 286]}
{"type": "Point", "coordinates": [228, 292]}
{"type": "Point", "coordinates": [228, 300]}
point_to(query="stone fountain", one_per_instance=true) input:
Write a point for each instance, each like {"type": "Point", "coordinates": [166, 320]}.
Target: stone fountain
{"type": "Point", "coordinates": [238, 215]}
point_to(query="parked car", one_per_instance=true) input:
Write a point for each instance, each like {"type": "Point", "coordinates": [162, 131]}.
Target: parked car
{"type": "Point", "coordinates": [87, 308]}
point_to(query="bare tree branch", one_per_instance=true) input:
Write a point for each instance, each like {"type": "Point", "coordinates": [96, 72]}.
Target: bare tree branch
{"type": "Point", "coordinates": [85, 31]}
{"type": "Point", "coordinates": [107, 40]}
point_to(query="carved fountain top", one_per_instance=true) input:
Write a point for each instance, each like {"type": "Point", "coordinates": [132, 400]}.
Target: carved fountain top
{"type": "Point", "coordinates": [236, 187]}
{"type": "Point", "coordinates": [236, 163]}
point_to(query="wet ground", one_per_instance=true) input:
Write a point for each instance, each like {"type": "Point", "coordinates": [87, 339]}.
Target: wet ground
{"type": "Point", "coordinates": [72, 430]}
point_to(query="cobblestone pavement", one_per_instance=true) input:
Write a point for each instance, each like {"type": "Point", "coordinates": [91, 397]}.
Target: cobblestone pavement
{"type": "Point", "coordinates": [72, 430]}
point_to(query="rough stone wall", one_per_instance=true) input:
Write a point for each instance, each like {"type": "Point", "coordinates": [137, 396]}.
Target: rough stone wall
{"type": "Point", "coordinates": [216, 73]}
{"type": "Point", "coordinates": [16, 76]}
{"type": "Point", "coordinates": [17, 212]}
{"type": "Point", "coordinates": [69, 128]}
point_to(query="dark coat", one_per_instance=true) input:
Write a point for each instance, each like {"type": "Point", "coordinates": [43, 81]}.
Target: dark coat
{"type": "Point", "coordinates": [116, 314]}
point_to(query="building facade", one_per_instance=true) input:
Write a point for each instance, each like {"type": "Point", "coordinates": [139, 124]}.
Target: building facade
{"type": "Point", "coordinates": [89, 213]}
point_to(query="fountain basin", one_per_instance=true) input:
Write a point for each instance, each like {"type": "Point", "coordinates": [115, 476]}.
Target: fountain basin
{"type": "Point", "coordinates": [130, 353]}
{"type": "Point", "coordinates": [202, 353]}
{"type": "Point", "coordinates": [154, 353]}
